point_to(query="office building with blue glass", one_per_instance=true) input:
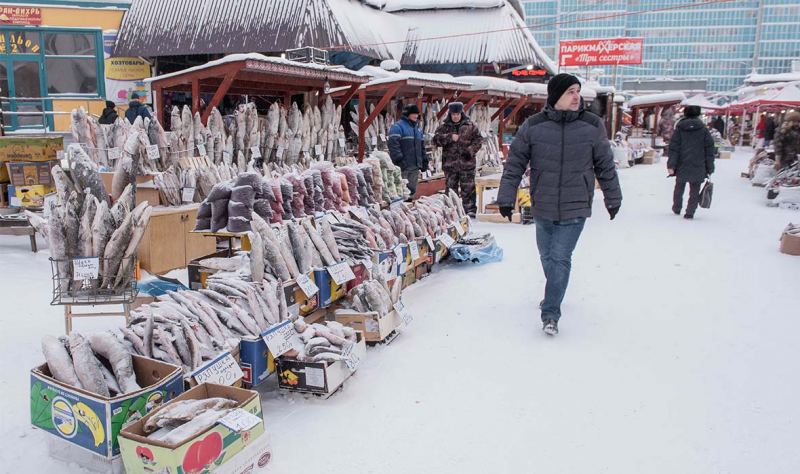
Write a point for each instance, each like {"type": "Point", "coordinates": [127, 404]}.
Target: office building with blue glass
{"type": "Point", "coordinates": [719, 43]}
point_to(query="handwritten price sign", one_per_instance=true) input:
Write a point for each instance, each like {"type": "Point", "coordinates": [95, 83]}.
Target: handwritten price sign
{"type": "Point", "coordinates": [222, 371]}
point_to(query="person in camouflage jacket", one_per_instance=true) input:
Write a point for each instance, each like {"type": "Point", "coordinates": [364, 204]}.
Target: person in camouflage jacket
{"type": "Point", "coordinates": [460, 140]}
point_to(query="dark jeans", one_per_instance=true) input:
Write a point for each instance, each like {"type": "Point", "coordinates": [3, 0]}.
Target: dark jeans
{"type": "Point", "coordinates": [694, 196]}
{"type": "Point", "coordinates": [463, 183]}
{"type": "Point", "coordinates": [556, 241]}
{"type": "Point", "coordinates": [412, 176]}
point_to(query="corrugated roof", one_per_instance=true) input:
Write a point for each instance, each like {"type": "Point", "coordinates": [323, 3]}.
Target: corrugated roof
{"type": "Point", "coordinates": [471, 36]}
{"type": "Point", "coordinates": [177, 27]}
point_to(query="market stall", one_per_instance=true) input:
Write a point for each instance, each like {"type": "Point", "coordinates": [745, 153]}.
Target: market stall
{"type": "Point", "coordinates": [651, 106]}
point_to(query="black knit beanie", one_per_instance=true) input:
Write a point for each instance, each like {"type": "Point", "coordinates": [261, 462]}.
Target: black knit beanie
{"type": "Point", "coordinates": [691, 111]}
{"type": "Point", "coordinates": [410, 109]}
{"type": "Point", "coordinates": [558, 85]}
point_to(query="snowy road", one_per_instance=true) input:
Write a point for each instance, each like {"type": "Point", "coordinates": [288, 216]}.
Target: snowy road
{"type": "Point", "coordinates": [677, 353]}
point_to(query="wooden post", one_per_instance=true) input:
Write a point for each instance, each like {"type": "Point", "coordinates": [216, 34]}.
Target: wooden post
{"type": "Point", "coordinates": [195, 95]}
{"type": "Point", "coordinates": [219, 94]}
{"type": "Point", "coordinates": [654, 132]}
{"type": "Point", "coordinates": [159, 97]}
{"type": "Point", "coordinates": [380, 105]}
{"type": "Point", "coordinates": [362, 112]}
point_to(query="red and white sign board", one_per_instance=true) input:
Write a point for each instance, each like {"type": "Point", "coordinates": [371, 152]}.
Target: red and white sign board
{"type": "Point", "coordinates": [598, 52]}
{"type": "Point", "coordinates": [25, 15]}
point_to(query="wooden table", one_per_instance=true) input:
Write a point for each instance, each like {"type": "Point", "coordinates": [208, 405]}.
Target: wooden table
{"type": "Point", "coordinates": [482, 183]}
{"type": "Point", "coordinates": [18, 225]}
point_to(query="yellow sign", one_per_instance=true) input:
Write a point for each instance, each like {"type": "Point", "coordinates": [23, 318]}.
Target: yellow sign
{"type": "Point", "coordinates": [20, 42]}
{"type": "Point", "coordinates": [127, 69]}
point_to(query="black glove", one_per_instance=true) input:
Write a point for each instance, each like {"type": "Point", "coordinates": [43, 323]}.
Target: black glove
{"type": "Point", "coordinates": [612, 211]}
{"type": "Point", "coordinates": [507, 211]}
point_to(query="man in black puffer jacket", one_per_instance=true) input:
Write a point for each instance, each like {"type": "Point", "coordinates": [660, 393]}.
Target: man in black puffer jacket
{"type": "Point", "coordinates": [566, 148]}
{"type": "Point", "coordinates": [691, 159]}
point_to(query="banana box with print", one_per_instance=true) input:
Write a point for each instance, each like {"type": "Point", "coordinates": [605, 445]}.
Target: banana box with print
{"type": "Point", "coordinates": [93, 422]}
{"type": "Point", "coordinates": [206, 447]}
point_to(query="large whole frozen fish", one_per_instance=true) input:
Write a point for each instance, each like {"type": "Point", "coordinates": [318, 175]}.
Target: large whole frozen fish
{"type": "Point", "coordinates": [108, 346]}
{"type": "Point", "coordinates": [184, 410]}
{"type": "Point", "coordinates": [59, 361]}
{"type": "Point", "coordinates": [86, 365]}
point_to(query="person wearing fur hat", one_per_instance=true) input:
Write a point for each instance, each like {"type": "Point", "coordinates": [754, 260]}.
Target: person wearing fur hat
{"type": "Point", "coordinates": [407, 146]}
{"type": "Point", "coordinates": [460, 140]}
{"type": "Point", "coordinates": [566, 148]}
{"type": "Point", "coordinates": [691, 159]}
{"type": "Point", "coordinates": [787, 141]}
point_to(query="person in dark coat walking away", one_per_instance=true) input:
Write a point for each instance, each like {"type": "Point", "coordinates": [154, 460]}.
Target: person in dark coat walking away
{"type": "Point", "coordinates": [691, 159]}
{"type": "Point", "coordinates": [769, 130]}
{"type": "Point", "coordinates": [787, 141]}
{"type": "Point", "coordinates": [109, 115]}
{"type": "Point", "coordinates": [407, 147]}
{"type": "Point", "coordinates": [136, 108]}
{"type": "Point", "coordinates": [460, 140]}
{"type": "Point", "coordinates": [567, 149]}
{"type": "Point", "coordinates": [719, 125]}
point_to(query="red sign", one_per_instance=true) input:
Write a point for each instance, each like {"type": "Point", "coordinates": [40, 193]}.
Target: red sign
{"type": "Point", "coordinates": [528, 73]}
{"type": "Point", "coordinates": [597, 52]}
{"type": "Point", "coordinates": [20, 15]}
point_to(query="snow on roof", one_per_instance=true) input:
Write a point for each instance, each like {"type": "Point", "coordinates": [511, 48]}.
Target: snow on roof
{"type": "Point", "coordinates": [485, 35]}
{"type": "Point", "coordinates": [403, 5]}
{"type": "Point", "coordinates": [375, 3]}
{"type": "Point", "coordinates": [534, 88]}
{"type": "Point", "coordinates": [619, 98]}
{"type": "Point", "coordinates": [482, 83]}
{"type": "Point", "coordinates": [260, 57]}
{"type": "Point", "coordinates": [382, 76]}
{"type": "Point", "coordinates": [764, 78]}
{"type": "Point", "coordinates": [653, 99]}
{"type": "Point", "coordinates": [159, 28]}
{"type": "Point", "coordinates": [761, 89]}
{"type": "Point", "coordinates": [588, 92]}
{"type": "Point", "coordinates": [701, 101]}
{"type": "Point", "coordinates": [788, 95]}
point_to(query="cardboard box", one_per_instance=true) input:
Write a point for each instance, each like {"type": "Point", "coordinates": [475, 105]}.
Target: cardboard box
{"type": "Point", "coordinates": [374, 327]}
{"type": "Point", "coordinates": [13, 148]}
{"type": "Point", "coordinates": [30, 173]}
{"type": "Point", "coordinates": [199, 274]}
{"type": "Point", "coordinates": [31, 196]}
{"type": "Point", "coordinates": [205, 452]}
{"type": "Point", "coordinates": [297, 301]}
{"type": "Point", "coordinates": [360, 271]}
{"type": "Point", "coordinates": [256, 362]}
{"type": "Point", "coordinates": [329, 291]}
{"type": "Point", "coordinates": [790, 244]}
{"type": "Point", "coordinates": [321, 378]}
{"type": "Point", "coordinates": [409, 277]}
{"type": "Point", "coordinates": [93, 422]}
{"type": "Point", "coordinates": [725, 155]}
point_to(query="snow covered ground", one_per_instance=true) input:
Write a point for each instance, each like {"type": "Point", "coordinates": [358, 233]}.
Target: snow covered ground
{"type": "Point", "coordinates": [677, 353]}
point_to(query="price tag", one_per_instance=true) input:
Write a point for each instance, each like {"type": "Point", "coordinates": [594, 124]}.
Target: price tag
{"type": "Point", "coordinates": [402, 268]}
{"type": "Point", "coordinates": [114, 153]}
{"type": "Point", "coordinates": [223, 370]}
{"type": "Point", "coordinates": [374, 141]}
{"type": "Point", "coordinates": [255, 152]}
{"type": "Point", "coordinates": [398, 253]}
{"type": "Point", "coordinates": [187, 195]}
{"type": "Point", "coordinates": [152, 152]}
{"type": "Point", "coordinates": [341, 273]}
{"type": "Point", "coordinates": [360, 212]}
{"type": "Point", "coordinates": [85, 268]}
{"type": "Point", "coordinates": [401, 309]}
{"type": "Point", "coordinates": [341, 143]}
{"type": "Point", "coordinates": [309, 287]}
{"type": "Point", "coordinates": [368, 264]}
{"type": "Point", "coordinates": [60, 155]}
{"type": "Point", "coordinates": [201, 149]}
{"type": "Point", "coordinates": [318, 149]}
{"type": "Point", "coordinates": [413, 247]}
{"type": "Point", "coordinates": [383, 137]}
{"type": "Point", "coordinates": [334, 217]}
{"type": "Point", "coordinates": [459, 229]}
{"type": "Point", "coordinates": [446, 240]}
{"type": "Point", "coordinates": [239, 420]}
{"type": "Point", "coordinates": [431, 245]}
{"type": "Point", "coordinates": [278, 152]}
{"type": "Point", "coordinates": [279, 338]}
{"type": "Point", "coordinates": [351, 359]}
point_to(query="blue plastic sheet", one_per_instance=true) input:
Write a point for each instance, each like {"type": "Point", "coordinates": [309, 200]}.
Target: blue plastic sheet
{"type": "Point", "coordinates": [477, 249]}
{"type": "Point", "coordinates": [159, 286]}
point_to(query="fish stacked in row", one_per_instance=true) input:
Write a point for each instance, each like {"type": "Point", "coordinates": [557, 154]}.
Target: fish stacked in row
{"type": "Point", "coordinates": [189, 328]}
{"type": "Point", "coordinates": [82, 224]}
{"type": "Point", "coordinates": [98, 363]}
{"type": "Point", "coordinates": [182, 420]}
{"type": "Point", "coordinates": [489, 154]}
{"type": "Point", "coordinates": [320, 342]}
{"type": "Point", "coordinates": [229, 205]}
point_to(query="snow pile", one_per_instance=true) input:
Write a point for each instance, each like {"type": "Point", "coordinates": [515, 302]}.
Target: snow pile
{"type": "Point", "coordinates": [482, 83]}
{"type": "Point", "coordinates": [654, 99]}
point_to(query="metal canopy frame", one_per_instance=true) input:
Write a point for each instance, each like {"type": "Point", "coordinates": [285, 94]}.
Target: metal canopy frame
{"type": "Point", "coordinates": [254, 77]}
